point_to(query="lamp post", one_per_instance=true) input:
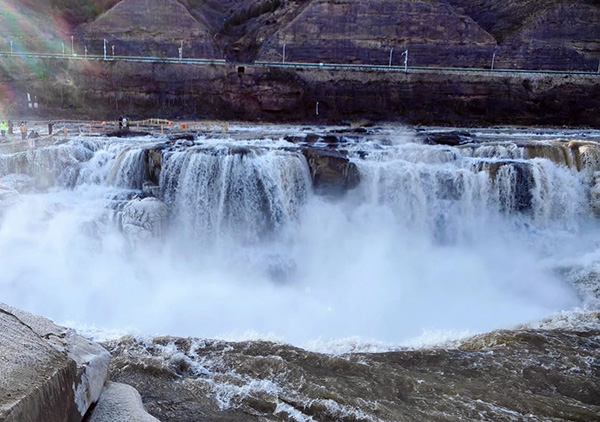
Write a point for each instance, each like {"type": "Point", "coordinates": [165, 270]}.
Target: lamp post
{"type": "Point", "coordinates": [11, 47]}
{"type": "Point", "coordinates": [72, 47]}
{"type": "Point", "coordinates": [63, 49]}
{"type": "Point", "coordinates": [405, 54]}
{"type": "Point", "coordinates": [85, 51]}
{"type": "Point", "coordinates": [113, 51]}
{"type": "Point", "coordinates": [283, 56]}
{"type": "Point", "coordinates": [181, 51]}
{"type": "Point", "coordinates": [391, 52]}
{"type": "Point", "coordinates": [493, 59]}
{"type": "Point", "coordinates": [105, 42]}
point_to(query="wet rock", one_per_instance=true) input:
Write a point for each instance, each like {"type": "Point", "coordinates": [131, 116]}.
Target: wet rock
{"type": "Point", "coordinates": [448, 138]}
{"type": "Point", "coordinates": [144, 219]}
{"type": "Point", "coordinates": [127, 134]}
{"type": "Point", "coordinates": [47, 373]}
{"type": "Point", "coordinates": [120, 403]}
{"type": "Point", "coordinates": [516, 181]}
{"type": "Point", "coordinates": [154, 164]}
{"type": "Point", "coordinates": [331, 170]}
{"type": "Point", "coordinates": [182, 136]}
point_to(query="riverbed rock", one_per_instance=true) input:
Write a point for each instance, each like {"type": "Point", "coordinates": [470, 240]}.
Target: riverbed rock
{"type": "Point", "coordinates": [48, 373]}
{"type": "Point", "coordinates": [120, 403]}
{"type": "Point", "coordinates": [331, 170]}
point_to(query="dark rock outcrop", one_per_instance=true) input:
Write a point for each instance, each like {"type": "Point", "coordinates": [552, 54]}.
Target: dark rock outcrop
{"type": "Point", "coordinates": [331, 170]}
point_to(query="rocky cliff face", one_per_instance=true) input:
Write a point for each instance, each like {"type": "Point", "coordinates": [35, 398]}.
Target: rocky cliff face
{"type": "Point", "coordinates": [101, 90]}
{"type": "Point", "coordinates": [555, 35]}
{"type": "Point", "coordinates": [150, 28]}
{"type": "Point", "coordinates": [366, 31]}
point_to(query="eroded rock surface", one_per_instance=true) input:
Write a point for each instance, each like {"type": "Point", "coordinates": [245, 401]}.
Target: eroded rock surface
{"type": "Point", "coordinates": [120, 403]}
{"type": "Point", "coordinates": [47, 373]}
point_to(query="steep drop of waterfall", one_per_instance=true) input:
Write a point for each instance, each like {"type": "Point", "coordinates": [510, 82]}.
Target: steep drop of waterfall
{"type": "Point", "coordinates": [243, 192]}
{"type": "Point", "coordinates": [427, 242]}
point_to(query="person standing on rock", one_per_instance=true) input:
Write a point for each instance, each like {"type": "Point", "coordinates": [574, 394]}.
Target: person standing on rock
{"type": "Point", "coordinates": [3, 128]}
{"type": "Point", "coordinates": [120, 122]}
{"type": "Point", "coordinates": [23, 130]}
{"type": "Point", "coordinates": [125, 123]}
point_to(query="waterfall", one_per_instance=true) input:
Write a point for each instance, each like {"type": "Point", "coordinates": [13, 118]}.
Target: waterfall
{"type": "Point", "coordinates": [451, 239]}
{"type": "Point", "coordinates": [129, 169]}
{"type": "Point", "coordinates": [244, 192]}
{"type": "Point", "coordinates": [462, 189]}
{"type": "Point", "coordinates": [51, 166]}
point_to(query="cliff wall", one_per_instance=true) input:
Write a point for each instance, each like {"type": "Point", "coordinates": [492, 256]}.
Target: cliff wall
{"type": "Point", "coordinates": [101, 90]}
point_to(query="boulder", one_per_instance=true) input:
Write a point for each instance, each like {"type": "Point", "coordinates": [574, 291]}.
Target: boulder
{"type": "Point", "coordinates": [144, 219]}
{"type": "Point", "coordinates": [448, 138]}
{"type": "Point", "coordinates": [120, 403]}
{"type": "Point", "coordinates": [331, 170]}
{"type": "Point", "coordinates": [48, 373]}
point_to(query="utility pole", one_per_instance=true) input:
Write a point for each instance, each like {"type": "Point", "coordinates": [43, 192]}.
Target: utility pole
{"type": "Point", "coordinates": [283, 56]}
{"type": "Point", "coordinates": [405, 54]}
{"type": "Point", "coordinates": [493, 59]}
{"type": "Point", "coordinates": [391, 52]}
{"type": "Point", "coordinates": [105, 42]}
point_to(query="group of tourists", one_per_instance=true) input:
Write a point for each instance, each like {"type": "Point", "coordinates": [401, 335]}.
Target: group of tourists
{"type": "Point", "coordinates": [7, 129]}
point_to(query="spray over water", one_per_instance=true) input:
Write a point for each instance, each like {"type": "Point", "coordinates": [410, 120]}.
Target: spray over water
{"type": "Point", "coordinates": [434, 242]}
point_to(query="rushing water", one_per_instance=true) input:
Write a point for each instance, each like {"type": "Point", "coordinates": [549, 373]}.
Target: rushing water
{"type": "Point", "coordinates": [435, 242]}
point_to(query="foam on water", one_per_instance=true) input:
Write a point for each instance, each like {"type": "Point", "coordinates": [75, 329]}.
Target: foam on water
{"type": "Point", "coordinates": [427, 245]}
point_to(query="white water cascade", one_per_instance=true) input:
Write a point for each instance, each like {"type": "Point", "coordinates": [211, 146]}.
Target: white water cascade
{"type": "Point", "coordinates": [434, 243]}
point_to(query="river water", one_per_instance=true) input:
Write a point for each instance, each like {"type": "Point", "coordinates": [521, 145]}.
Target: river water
{"type": "Point", "coordinates": [436, 242]}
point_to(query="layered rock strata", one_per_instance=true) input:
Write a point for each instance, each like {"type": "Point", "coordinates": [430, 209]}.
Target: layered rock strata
{"type": "Point", "coordinates": [103, 90]}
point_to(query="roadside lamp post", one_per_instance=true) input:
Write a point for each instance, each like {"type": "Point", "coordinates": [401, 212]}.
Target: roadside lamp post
{"type": "Point", "coordinates": [72, 47]}
{"type": "Point", "coordinates": [493, 59]}
{"type": "Point", "coordinates": [11, 47]}
{"type": "Point", "coordinates": [181, 51]}
{"type": "Point", "coordinates": [63, 49]}
{"type": "Point", "coordinates": [105, 42]}
{"type": "Point", "coordinates": [113, 51]}
{"type": "Point", "coordinates": [85, 51]}
{"type": "Point", "coordinates": [391, 52]}
{"type": "Point", "coordinates": [405, 54]}
{"type": "Point", "coordinates": [283, 56]}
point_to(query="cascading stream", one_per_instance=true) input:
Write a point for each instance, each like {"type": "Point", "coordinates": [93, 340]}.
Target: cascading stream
{"type": "Point", "coordinates": [434, 242]}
